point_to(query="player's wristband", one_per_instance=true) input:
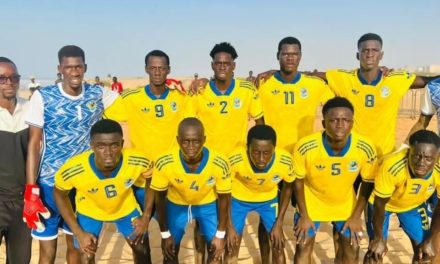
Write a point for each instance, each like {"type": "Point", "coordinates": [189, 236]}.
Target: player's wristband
{"type": "Point", "coordinates": [220, 234]}
{"type": "Point", "coordinates": [165, 234]}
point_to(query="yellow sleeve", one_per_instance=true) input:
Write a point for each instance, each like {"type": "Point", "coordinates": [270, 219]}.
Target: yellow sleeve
{"type": "Point", "coordinates": [289, 175]}
{"type": "Point", "coordinates": [333, 79]}
{"type": "Point", "coordinates": [385, 182]}
{"type": "Point", "coordinates": [327, 95]}
{"type": "Point", "coordinates": [405, 80]}
{"type": "Point", "coordinates": [60, 182]}
{"type": "Point", "coordinates": [299, 163]}
{"type": "Point", "coordinates": [437, 180]}
{"type": "Point", "coordinates": [159, 180]}
{"type": "Point", "coordinates": [190, 106]}
{"type": "Point", "coordinates": [256, 108]}
{"type": "Point", "coordinates": [223, 181]}
{"type": "Point", "coordinates": [370, 166]}
{"type": "Point", "coordinates": [116, 111]}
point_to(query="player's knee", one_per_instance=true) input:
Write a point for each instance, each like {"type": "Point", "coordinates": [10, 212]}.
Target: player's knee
{"type": "Point", "coordinates": [278, 256]}
{"type": "Point", "coordinates": [47, 254]}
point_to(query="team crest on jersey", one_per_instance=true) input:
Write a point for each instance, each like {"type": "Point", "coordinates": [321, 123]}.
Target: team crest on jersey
{"type": "Point", "coordinates": [237, 102]}
{"type": "Point", "coordinates": [128, 182]}
{"type": "Point", "coordinates": [320, 167]}
{"type": "Point", "coordinates": [145, 110]}
{"type": "Point", "coordinates": [354, 91]}
{"type": "Point", "coordinates": [303, 93]}
{"type": "Point", "coordinates": [247, 178]}
{"type": "Point", "coordinates": [385, 91]}
{"type": "Point", "coordinates": [430, 187]}
{"type": "Point", "coordinates": [276, 178]}
{"type": "Point", "coordinates": [93, 190]}
{"type": "Point", "coordinates": [173, 106]}
{"type": "Point", "coordinates": [353, 166]}
{"type": "Point", "coordinates": [275, 92]}
{"type": "Point", "coordinates": [92, 105]}
{"type": "Point", "coordinates": [178, 180]}
{"type": "Point", "coordinates": [210, 104]}
{"type": "Point", "coordinates": [210, 181]}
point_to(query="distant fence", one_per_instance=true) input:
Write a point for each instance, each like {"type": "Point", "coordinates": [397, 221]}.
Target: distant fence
{"type": "Point", "coordinates": [410, 105]}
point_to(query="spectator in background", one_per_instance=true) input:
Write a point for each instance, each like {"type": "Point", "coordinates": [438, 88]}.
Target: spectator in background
{"type": "Point", "coordinates": [98, 82]}
{"type": "Point", "coordinates": [116, 86]}
{"type": "Point", "coordinates": [59, 78]}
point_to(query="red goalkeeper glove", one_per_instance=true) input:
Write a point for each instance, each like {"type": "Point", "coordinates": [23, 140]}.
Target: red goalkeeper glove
{"type": "Point", "coordinates": [175, 85]}
{"type": "Point", "coordinates": [33, 208]}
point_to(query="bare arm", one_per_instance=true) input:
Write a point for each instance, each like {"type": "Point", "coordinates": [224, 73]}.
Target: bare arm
{"type": "Point", "coordinates": [422, 123]}
{"type": "Point", "coordinates": [277, 235]}
{"type": "Point", "coordinates": [422, 81]}
{"type": "Point", "coordinates": [318, 74]}
{"type": "Point", "coordinates": [364, 194]}
{"type": "Point", "coordinates": [33, 154]}
{"type": "Point", "coordinates": [160, 197]}
{"type": "Point", "coordinates": [304, 223]}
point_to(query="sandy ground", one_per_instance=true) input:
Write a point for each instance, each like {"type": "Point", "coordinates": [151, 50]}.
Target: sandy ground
{"type": "Point", "coordinates": [113, 249]}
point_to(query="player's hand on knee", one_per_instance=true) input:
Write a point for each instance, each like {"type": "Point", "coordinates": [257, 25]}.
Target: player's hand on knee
{"type": "Point", "coordinates": [426, 251]}
{"type": "Point", "coordinates": [354, 224]}
{"type": "Point", "coordinates": [34, 208]}
{"type": "Point", "coordinates": [231, 239]}
{"type": "Point", "coordinates": [140, 226]}
{"type": "Point", "coordinates": [302, 227]}
{"type": "Point", "coordinates": [217, 246]}
{"type": "Point", "coordinates": [277, 236]}
{"type": "Point", "coordinates": [377, 250]}
{"type": "Point", "coordinates": [88, 243]}
{"type": "Point", "coordinates": [168, 248]}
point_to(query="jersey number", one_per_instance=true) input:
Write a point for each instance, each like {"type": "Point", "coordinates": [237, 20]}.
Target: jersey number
{"type": "Point", "coordinates": [425, 219]}
{"type": "Point", "coordinates": [369, 100]}
{"type": "Point", "coordinates": [289, 97]}
{"type": "Point", "coordinates": [415, 188]}
{"type": "Point", "coordinates": [336, 169]}
{"type": "Point", "coordinates": [110, 191]}
{"type": "Point", "coordinates": [260, 181]}
{"type": "Point", "coordinates": [223, 110]}
{"type": "Point", "coordinates": [276, 208]}
{"type": "Point", "coordinates": [194, 186]}
{"type": "Point", "coordinates": [159, 110]}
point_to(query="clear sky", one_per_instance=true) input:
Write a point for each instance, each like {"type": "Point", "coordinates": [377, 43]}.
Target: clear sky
{"type": "Point", "coordinates": [116, 35]}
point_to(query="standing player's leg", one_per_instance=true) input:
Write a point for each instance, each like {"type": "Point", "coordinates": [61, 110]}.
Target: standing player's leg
{"type": "Point", "coordinates": [17, 235]}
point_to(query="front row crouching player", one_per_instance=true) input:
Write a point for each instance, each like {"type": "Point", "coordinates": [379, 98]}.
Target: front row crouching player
{"type": "Point", "coordinates": [257, 171]}
{"type": "Point", "coordinates": [103, 178]}
{"type": "Point", "coordinates": [192, 182]}
{"type": "Point", "coordinates": [330, 162]}
{"type": "Point", "coordinates": [404, 182]}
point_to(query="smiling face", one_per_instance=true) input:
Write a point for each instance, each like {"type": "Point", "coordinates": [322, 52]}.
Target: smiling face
{"type": "Point", "coordinates": [422, 158]}
{"type": "Point", "coordinates": [108, 150]}
{"type": "Point", "coordinates": [223, 66]}
{"type": "Point", "coordinates": [260, 152]}
{"type": "Point", "coordinates": [338, 123]}
{"type": "Point", "coordinates": [9, 75]}
{"type": "Point", "coordinates": [72, 69]}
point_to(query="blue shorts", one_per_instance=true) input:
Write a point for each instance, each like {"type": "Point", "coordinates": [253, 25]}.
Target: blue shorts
{"type": "Point", "coordinates": [94, 226]}
{"type": "Point", "coordinates": [180, 215]}
{"type": "Point", "coordinates": [54, 222]}
{"type": "Point", "coordinates": [338, 225]}
{"type": "Point", "coordinates": [268, 212]}
{"type": "Point", "coordinates": [415, 223]}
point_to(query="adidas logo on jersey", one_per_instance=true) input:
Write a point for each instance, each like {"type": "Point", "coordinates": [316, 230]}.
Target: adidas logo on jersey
{"type": "Point", "coordinates": [210, 104]}
{"type": "Point", "coordinates": [178, 180]}
{"type": "Point", "coordinates": [93, 190]}
{"type": "Point", "coordinates": [145, 110]}
{"type": "Point", "coordinates": [128, 183]}
{"type": "Point", "coordinates": [275, 92]}
{"type": "Point", "coordinates": [247, 178]}
{"type": "Point", "coordinates": [320, 167]}
{"type": "Point", "coordinates": [355, 91]}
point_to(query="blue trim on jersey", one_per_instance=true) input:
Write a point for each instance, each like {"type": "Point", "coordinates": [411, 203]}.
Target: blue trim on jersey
{"type": "Point", "coordinates": [218, 92]}
{"type": "Point", "coordinates": [154, 97]}
{"type": "Point", "coordinates": [202, 165]}
{"type": "Point", "coordinates": [373, 83]}
{"type": "Point", "coordinates": [98, 173]}
{"type": "Point", "coordinates": [329, 150]}
{"type": "Point", "coordinates": [265, 170]}
{"type": "Point", "coordinates": [277, 76]}
{"type": "Point", "coordinates": [428, 175]}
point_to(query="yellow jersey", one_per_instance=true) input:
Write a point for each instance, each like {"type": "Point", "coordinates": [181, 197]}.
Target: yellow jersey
{"type": "Point", "coordinates": [152, 120]}
{"type": "Point", "coordinates": [252, 185]}
{"type": "Point", "coordinates": [394, 181]}
{"type": "Point", "coordinates": [329, 178]}
{"type": "Point", "coordinates": [191, 188]}
{"type": "Point", "coordinates": [290, 108]}
{"type": "Point", "coordinates": [100, 197]}
{"type": "Point", "coordinates": [376, 105]}
{"type": "Point", "coordinates": [225, 116]}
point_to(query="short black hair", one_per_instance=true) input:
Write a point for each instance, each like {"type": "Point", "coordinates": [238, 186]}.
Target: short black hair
{"type": "Point", "coordinates": [223, 47]}
{"type": "Point", "coordinates": [190, 122]}
{"type": "Point", "coordinates": [262, 132]}
{"type": "Point", "coordinates": [336, 102]}
{"type": "Point", "coordinates": [157, 53]}
{"type": "Point", "coordinates": [289, 41]}
{"type": "Point", "coordinates": [71, 51]}
{"type": "Point", "coordinates": [6, 60]}
{"type": "Point", "coordinates": [369, 36]}
{"type": "Point", "coordinates": [424, 136]}
{"type": "Point", "coordinates": [106, 126]}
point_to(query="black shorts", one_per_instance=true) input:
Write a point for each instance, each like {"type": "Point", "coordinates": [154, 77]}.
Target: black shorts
{"type": "Point", "coordinates": [15, 232]}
